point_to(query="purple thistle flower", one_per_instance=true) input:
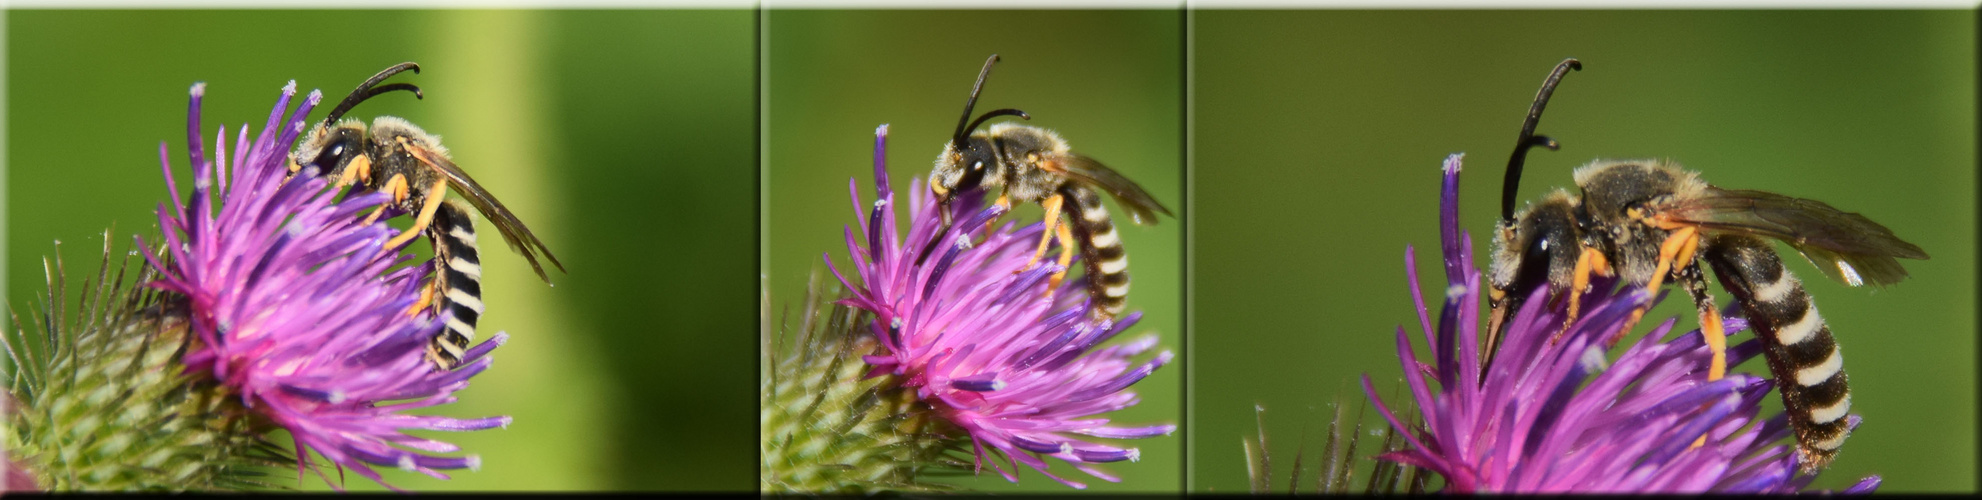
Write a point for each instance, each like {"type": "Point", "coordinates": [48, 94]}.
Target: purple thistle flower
{"type": "Point", "coordinates": [297, 307]}
{"type": "Point", "coordinates": [985, 345]}
{"type": "Point", "coordinates": [13, 478]}
{"type": "Point", "coordinates": [1554, 418]}
{"type": "Point", "coordinates": [16, 479]}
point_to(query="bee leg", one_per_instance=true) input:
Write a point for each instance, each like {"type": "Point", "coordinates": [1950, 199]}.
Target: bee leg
{"type": "Point", "coordinates": [1678, 247]}
{"type": "Point", "coordinates": [1004, 202]}
{"type": "Point", "coordinates": [1052, 204]}
{"type": "Point", "coordinates": [359, 170]}
{"type": "Point", "coordinates": [1496, 320]}
{"type": "Point", "coordinates": [1590, 262]}
{"type": "Point", "coordinates": [426, 299]}
{"type": "Point", "coordinates": [434, 293]}
{"type": "Point", "coordinates": [395, 187]}
{"type": "Point", "coordinates": [1067, 247]}
{"type": "Point", "coordinates": [1711, 329]}
{"type": "Point", "coordinates": [435, 194]}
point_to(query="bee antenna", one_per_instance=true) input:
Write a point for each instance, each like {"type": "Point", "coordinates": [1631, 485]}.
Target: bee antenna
{"type": "Point", "coordinates": [962, 129]}
{"type": "Point", "coordinates": [372, 88]}
{"type": "Point", "coordinates": [1512, 185]}
{"type": "Point", "coordinates": [995, 114]}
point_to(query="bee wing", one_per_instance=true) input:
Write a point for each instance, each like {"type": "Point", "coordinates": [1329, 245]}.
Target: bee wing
{"type": "Point", "coordinates": [1141, 206]}
{"type": "Point", "coordinates": [1846, 246]}
{"type": "Point", "coordinates": [513, 231]}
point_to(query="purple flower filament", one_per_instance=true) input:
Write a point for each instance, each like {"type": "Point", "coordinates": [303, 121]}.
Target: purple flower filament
{"type": "Point", "coordinates": [980, 339]}
{"type": "Point", "coordinates": [1552, 417]}
{"type": "Point", "coordinates": [299, 310]}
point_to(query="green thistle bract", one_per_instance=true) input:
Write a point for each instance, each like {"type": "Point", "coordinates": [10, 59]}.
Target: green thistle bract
{"type": "Point", "coordinates": [104, 404]}
{"type": "Point", "coordinates": [828, 428]}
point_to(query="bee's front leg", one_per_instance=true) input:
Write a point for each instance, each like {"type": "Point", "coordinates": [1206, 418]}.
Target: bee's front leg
{"type": "Point", "coordinates": [1591, 261]}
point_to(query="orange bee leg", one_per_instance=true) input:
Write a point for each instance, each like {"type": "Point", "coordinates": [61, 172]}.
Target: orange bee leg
{"type": "Point", "coordinates": [360, 169]}
{"type": "Point", "coordinates": [1678, 247]}
{"type": "Point", "coordinates": [395, 187]}
{"type": "Point", "coordinates": [435, 194]}
{"type": "Point", "coordinates": [1066, 236]}
{"type": "Point", "coordinates": [1716, 337]}
{"type": "Point", "coordinates": [426, 299]}
{"type": "Point", "coordinates": [1052, 204]}
{"type": "Point", "coordinates": [1004, 202]}
{"type": "Point", "coordinates": [1710, 321]}
{"type": "Point", "coordinates": [1591, 261]}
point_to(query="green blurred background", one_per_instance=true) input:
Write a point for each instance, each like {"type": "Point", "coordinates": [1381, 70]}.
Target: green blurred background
{"type": "Point", "coordinates": [623, 138]}
{"type": "Point", "coordinates": [1317, 141]}
{"type": "Point", "coordinates": [1110, 82]}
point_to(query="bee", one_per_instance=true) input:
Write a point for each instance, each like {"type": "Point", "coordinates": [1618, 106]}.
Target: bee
{"type": "Point", "coordinates": [1647, 221]}
{"type": "Point", "coordinates": [1032, 164]}
{"type": "Point", "coordinates": [396, 157]}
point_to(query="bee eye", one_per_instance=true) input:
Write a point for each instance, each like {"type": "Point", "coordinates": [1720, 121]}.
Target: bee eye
{"type": "Point", "coordinates": [972, 176]}
{"type": "Point", "coordinates": [330, 157]}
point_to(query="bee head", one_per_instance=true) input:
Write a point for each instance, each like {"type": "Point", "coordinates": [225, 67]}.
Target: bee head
{"type": "Point", "coordinates": [961, 168]}
{"type": "Point", "coordinates": [967, 156]}
{"type": "Point", "coordinates": [1540, 246]}
{"type": "Point", "coordinates": [333, 144]}
{"type": "Point", "coordinates": [330, 149]}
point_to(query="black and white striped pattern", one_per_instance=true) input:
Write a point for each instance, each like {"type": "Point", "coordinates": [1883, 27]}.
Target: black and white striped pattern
{"type": "Point", "coordinates": [457, 281]}
{"type": "Point", "coordinates": [1101, 250]}
{"type": "Point", "coordinates": [1808, 368]}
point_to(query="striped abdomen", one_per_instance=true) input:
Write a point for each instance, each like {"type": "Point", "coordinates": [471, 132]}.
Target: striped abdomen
{"type": "Point", "coordinates": [1100, 251]}
{"type": "Point", "coordinates": [1808, 368]}
{"type": "Point", "coordinates": [457, 282]}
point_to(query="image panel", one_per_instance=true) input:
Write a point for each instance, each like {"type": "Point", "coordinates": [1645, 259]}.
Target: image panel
{"type": "Point", "coordinates": [1321, 143]}
{"type": "Point", "coordinates": [992, 372]}
{"type": "Point", "coordinates": [623, 140]}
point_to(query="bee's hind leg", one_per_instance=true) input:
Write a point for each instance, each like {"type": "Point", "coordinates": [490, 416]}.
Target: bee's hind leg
{"type": "Point", "coordinates": [435, 194]}
{"type": "Point", "coordinates": [1052, 205]}
{"type": "Point", "coordinates": [427, 294]}
{"type": "Point", "coordinates": [1694, 279]}
{"type": "Point", "coordinates": [1066, 236]}
{"type": "Point", "coordinates": [1712, 331]}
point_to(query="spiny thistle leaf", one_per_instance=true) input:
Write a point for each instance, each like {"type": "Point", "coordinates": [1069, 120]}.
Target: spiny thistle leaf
{"type": "Point", "coordinates": [105, 404]}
